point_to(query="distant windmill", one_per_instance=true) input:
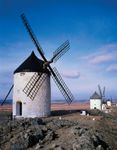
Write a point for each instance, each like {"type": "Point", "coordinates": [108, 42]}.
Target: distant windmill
{"type": "Point", "coordinates": [109, 101]}
{"type": "Point", "coordinates": [35, 88]}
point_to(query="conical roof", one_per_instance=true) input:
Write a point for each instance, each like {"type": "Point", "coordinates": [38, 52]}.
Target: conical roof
{"type": "Point", "coordinates": [32, 64]}
{"type": "Point", "coordinates": [95, 96]}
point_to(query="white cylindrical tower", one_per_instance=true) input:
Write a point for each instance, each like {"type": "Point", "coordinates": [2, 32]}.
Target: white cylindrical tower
{"type": "Point", "coordinates": [95, 101]}
{"type": "Point", "coordinates": [23, 105]}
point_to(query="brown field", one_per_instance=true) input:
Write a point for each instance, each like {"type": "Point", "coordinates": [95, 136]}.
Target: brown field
{"type": "Point", "coordinates": [7, 108]}
{"type": "Point", "coordinates": [72, 106]}
{"type": "Point", "coordinates": [55, 106]}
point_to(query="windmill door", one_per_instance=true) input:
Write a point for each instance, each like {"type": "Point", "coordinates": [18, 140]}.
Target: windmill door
{"type": "Point", "coordinates": [18, 108]}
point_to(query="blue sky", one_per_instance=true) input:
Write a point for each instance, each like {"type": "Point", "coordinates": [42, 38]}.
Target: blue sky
{"type": "Point", "coordinates": [89, 25]}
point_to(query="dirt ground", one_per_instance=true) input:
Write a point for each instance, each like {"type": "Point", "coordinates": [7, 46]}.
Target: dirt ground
{"type": "Point", "coordinates": [104, 125]}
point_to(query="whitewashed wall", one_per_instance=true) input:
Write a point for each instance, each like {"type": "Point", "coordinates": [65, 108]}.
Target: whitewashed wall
{"type": "Point", "coordinates": [95, 103]}
{"type": "Point", "coordinates": [109, 103]}
{"type": "Point", "coordinates": [103, 106]}
{"type": "Point", "coordinates": [40, 106]}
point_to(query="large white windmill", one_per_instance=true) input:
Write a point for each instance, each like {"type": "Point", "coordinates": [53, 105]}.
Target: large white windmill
{"type": "Point", "coordinates": [32, 90]}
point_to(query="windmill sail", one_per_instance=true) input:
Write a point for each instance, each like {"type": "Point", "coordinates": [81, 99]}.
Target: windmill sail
{"type": "Point", "coordinates": [104, 91]}
{"type": "Point", "coordinates": [33, 37]}
{"type": "Point", "coordinates": [34, 85]}
{"type": "Point", "coordinates": [7, 95]}
{"type": "Point", "coordinates": [62, 86]}
{"type": "Point", "coordinates": [60, 51]}
{"type": "Point", "coordinates": [100, 91]}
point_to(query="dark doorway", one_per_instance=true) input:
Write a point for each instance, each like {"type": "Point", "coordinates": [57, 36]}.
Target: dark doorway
{"type": "Point", "coordinates": [19, 108]}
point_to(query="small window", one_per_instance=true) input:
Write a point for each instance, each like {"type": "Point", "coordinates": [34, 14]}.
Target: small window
{"type": "Point", "coordinates": [22, 73]}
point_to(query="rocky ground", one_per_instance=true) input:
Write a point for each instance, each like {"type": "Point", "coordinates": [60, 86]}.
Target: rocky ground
{"type": "Point", "coordinates": [70, 131]}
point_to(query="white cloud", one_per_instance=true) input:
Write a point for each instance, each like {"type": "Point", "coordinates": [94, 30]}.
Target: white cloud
{"type": "Point", "coordinates": [71, 74]}
{"type": "Point", "coordinates": [101, 58]}
{"type": "Point", "coordinates": [112, 68]}
{"type": "Point", "coordinates": [106, 53]}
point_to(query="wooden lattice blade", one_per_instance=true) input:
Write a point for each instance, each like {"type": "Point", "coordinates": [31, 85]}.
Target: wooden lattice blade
{"type": "Point", "coordinates": [60, 51]}
{"type": "Point", "coordinates": [62, 86]}
{"type": "Point", "coordinates": [32, 35]}
{"type": "Point", "coordinates": [35, 83]}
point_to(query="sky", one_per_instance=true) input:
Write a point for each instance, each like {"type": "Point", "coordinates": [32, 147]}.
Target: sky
{"type": "Point", "coordinates": [89, 25]}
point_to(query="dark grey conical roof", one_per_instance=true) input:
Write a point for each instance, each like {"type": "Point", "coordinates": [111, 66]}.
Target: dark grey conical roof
{"type": "Point", "coordinates": [95, 96]}
{"type": "Point", "coordinates": [32, 64]}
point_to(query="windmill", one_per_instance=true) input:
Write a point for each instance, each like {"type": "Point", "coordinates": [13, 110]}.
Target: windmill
{"type": "Point", "coordinates": [35, 83]}
{"type": "Point", "coordinates": [53, 71]}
